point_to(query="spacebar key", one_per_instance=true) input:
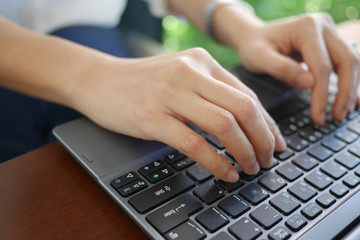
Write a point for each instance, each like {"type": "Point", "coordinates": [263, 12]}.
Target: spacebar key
{"type": "Point", "coordinates": [162, 192]}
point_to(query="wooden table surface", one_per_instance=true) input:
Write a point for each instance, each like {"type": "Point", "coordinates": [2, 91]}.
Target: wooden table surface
{"type": "Point", "coordinates": [46, 194]}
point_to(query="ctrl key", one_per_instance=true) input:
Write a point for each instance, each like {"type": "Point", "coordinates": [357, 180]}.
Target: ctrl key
{"type": "Point", "coordinates": [186, 231]}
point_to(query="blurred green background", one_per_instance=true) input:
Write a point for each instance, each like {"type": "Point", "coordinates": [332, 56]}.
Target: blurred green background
{"type": "Point", "coordinates": [178, 34]}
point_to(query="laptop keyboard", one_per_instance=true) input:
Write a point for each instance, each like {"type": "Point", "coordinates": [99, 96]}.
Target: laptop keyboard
{"type": "Point", "coordinates": [182, 200]}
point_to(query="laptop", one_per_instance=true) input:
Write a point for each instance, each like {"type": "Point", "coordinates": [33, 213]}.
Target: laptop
{"type": "Point", "coordinates": [312, 190]}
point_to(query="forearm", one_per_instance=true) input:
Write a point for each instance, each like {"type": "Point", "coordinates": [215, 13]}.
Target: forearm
{"type": "Point", "coordinates": [43, 66]}
{"type": "Point", "coordinates": [223, 20]}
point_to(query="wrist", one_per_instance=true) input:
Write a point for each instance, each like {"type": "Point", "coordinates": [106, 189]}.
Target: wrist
{"type": "Point", "coordinates": [232, 22]}
{"type": "Point", "coordinates": [86, 87]}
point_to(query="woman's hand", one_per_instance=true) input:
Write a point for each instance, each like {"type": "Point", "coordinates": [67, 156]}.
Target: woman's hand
{"type": "Point", "coordinates": [277, 47]}
{"type": "Point", "coordinates": [153, 98]}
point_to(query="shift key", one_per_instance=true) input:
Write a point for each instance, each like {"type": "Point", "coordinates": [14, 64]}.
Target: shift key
{"type": "Point", "coordinates": [174, 213]}
{"type": "Point", "coordinates": [160, 193]}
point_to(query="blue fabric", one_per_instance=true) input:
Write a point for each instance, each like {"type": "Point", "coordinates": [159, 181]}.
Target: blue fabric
{"type": "Point", "coordinates": [26, 123]}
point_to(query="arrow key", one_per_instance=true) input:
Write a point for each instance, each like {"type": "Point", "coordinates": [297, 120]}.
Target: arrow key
{"type": "Point", "coordinates": [159, 175]}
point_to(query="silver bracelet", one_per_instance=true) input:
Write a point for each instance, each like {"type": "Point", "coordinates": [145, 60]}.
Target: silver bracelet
{"type": "Point", "coordinates": [213, 5]}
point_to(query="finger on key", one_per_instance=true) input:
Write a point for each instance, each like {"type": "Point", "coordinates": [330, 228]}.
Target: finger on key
{"type": "Point", "coordinates": [248, 116]}
{"type": "Point", "coordinates": [347, 65]}
{"type": "Point", "coordinates": [181, 137]}
{"type": "Point", "coordinates": [221, 123]}
{"type": "Point", "coordinates": [233, 81]}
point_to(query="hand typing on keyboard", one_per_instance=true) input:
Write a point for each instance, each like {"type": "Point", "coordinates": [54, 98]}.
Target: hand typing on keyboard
{"type": "Point", "coordinates": [188, 86]}
{"type": "Point", "coordinates": [154, 98]}
{"type": "Point", "coordinates": [312, 39]}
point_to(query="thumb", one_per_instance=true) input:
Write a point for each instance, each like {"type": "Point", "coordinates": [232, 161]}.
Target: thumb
{"type": "Point", "coordinates": [286, 69]}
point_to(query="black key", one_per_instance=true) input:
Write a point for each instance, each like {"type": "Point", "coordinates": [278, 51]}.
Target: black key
{"type": "Point", "coordinates": [214, 141]}
{"type": "Point", "coordinates": [212, 219]}
{"type": "Point", "coordinates": [333, 144]}
{"type": "Point", "coordinates": [132, 188]}
{"type": "Point", "coordinates": [311, 211]}
{"type": "Point", "coordinates": [182, 163]}
{"type": "Point", "coordinates": [302, 191]}
{"type": "Point", "coordinates": [230, 186]}
{"type": "Point", "coordinates": [245, 229]}
{"type": "Point", "coordinates": [234, 206]}
{"type": "Point", "coordinates": [160, 174]}
{"type": "Point", "coordinates": [351, 181]}
{"type": "Point", "coordinates": [222, 236]}
{"type": "Point", "coordinates": [199, 173]}
{"type": "Point", "coordinates": [297, 143]}
{"type": "Point", "coordinates": [339, 190]}
{"type": "Point", "coordinates": [254, 193]}
{"type": "Point", "coordinates": [284, 155]}
{"type": "Point", "coordinates": [124, 179]}
{"type": "Point", "coordinates": [354, 126]}
{"type": "Point", "coordinates": [334, 170]}
{"type": "Point", "coordinates": [307, 112]}
{"type": "Point", "coordinates": [296, 222]}
{"type": "Point", "coordinates": [174, 213]}
{"type": "Point", "coordinates": [186, 231]}
{"type": "Point", "coordinates": [305, 162]}
{"type": "Point", "coordinates": [158, 194]}
{"type": "Point", "coordinates": [266, 216]}
{"type": "Point", "coordinates": [326, 128]}
{"type": "Point", "coordinates": [272, 182]}
{"type": "Point", "coordinates": [289, 171]}
{"type": "Point", "coordinates": [248, 177]}
{"type": "Point", "coordinates": [319, 180]}
{"type": "Point", "coordinates": [326, 200]}
{"type": "Point", "coordinates": [347, 159]}
{"type": "Point", "coordinates": [300, 120]}
{"type": "Point", "coordinates": [175, 156]}
{"type": "Point", "coordinates": [310, 134]}
{"type": "Point", "coordinates": [280, 233]}
{"type": "Point", "coordinates": [209, 192]}
{"type": "Point", "coordinates": [287, 128]}
{"type": "Point", "coordinates": [355, 149]}
{"type": "Point", "coordinates": [273, 164]}
{"type": "Point", "coordinates": [149, 168]}
{"type": "Point", "coordinates": [346, 135]}
{"type": "Point", "coordinates": [337, 123]}
{"type": "Point", "coordinates": [320, 153]}
{"type": "Point", "coordinates": [285, 203]}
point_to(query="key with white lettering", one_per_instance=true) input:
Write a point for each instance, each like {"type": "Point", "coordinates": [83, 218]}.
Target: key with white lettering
{"type": "Point", "coordinates": [174, 213]}
{"type": "Point", "coordinates": [160, 193]}
{"type": "Point", "coordinates": [245, 229]}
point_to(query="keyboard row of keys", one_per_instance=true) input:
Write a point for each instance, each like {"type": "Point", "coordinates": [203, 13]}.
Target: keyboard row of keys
{"type": "Point", "coordinates": [173, 219]}
{"type": "Point", "coordinates": [234, 206]}
{"type": "Point", "coordinates": [309, 132]}
{"type": "Point", "coordinates": [160, 193]}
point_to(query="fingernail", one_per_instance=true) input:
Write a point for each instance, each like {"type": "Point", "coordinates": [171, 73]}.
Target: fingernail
{"type": "Point", "coordinates": [232, 175]}
{"type": "Point", "coordinates": [269, 163]}
{"type": "Point", "coordinates": [254, 169]}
